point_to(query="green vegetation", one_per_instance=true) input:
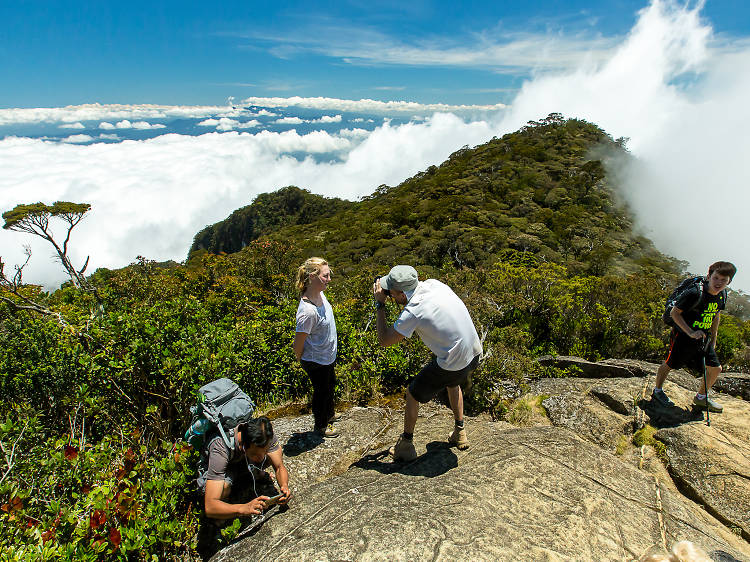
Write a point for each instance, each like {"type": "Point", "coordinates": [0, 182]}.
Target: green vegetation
{"type": "Point", "coordinates": [98, 380]}
{"type": "Point", "coordinates": [270, 211]}
{"type": "Point", "coordinates": [645, 436]}
{"type": "Point", "coordinates": [526, 411]}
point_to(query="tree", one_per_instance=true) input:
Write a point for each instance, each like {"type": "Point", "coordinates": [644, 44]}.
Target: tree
{"type": "Point", "coordinates": [34, 218]}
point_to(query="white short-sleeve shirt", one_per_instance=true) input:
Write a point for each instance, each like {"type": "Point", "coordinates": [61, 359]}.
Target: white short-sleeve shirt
{"type": "Point", "coordinates": [442, 322]}
{"type": "Point", "coordinates": [320, 326]}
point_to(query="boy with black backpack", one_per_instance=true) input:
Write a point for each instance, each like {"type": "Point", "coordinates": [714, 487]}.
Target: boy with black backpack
{"type": "Point", "coordinates": [693, 311]}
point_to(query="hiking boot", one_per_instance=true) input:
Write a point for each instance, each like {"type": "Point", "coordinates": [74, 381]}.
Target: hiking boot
{"type": "Point", "coordinates": [660, 398]}
{"type": "Point", "coordinates": [328, 431]}
{"type": "Point", "coordinates": [459, 438]}
{"type": "Point", "coordinates": [403, 450]}
{"type": "Point", "coordinates": [706, 402]}
{"type": "Point", "coordinates": [335, 417]}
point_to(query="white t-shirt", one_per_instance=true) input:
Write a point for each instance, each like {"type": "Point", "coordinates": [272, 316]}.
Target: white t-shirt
{"type": "Point", "coordinates": [320, 326]}
{"type": "Point", "coordinates": [442, 322]}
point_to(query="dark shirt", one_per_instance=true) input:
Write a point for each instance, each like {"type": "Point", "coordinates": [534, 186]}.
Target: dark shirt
{"type": "Point", "coordinates": [219, 457]}
{"type": "Point", "coordinates": [702, 316]}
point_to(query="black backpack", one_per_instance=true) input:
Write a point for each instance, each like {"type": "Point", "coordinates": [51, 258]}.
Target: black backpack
{"type": "Point", "coordinates": [685, 285]}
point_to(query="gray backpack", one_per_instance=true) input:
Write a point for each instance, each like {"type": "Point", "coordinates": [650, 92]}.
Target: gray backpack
{"type": "Point", "coordinates": [221, 405]}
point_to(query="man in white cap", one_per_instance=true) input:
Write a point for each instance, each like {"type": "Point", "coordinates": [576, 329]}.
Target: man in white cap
{"type": "Point", "coordinates": [440, 318]}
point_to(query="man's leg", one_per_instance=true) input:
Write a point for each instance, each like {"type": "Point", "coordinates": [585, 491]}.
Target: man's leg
{"type": "Point", "coordinates": [456, 399]}
{"type": "Point", "coordinates": [404, 449]}
{"type": "Point", "coordinates": [711, 376]}
{"type": "Point", "coordinates": [658, 396]}
{"type": "Point", "coordinates": [661, 375]}
{"type": "Point", "coordinates": [411, 411]}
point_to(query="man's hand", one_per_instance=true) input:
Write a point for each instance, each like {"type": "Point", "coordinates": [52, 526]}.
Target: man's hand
{"type": "Point", "coordinates": [378, 291]}
{"type": "Point", "coordinates": [697, 334]}
{"type": "Point", "coordinates": [287, 494]}
{"type": "Point", "coordinates": [254, 507]}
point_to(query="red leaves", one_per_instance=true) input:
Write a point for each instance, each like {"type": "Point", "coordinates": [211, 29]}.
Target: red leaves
{"type": "Point", "coordinates": [98, 518]}
{"type": "Point", "coordinates": [85, 489]}
{"type": "Point", "coordinates": [115, 538]}
{"type": "Point", "coordinates": [127, 466]}
{"type": "Point", "coordinates": [48, 535]}
{"type": "Point", "coordinates": [71, 453]}
{"type": "Point", "coordinates": [14, 504]}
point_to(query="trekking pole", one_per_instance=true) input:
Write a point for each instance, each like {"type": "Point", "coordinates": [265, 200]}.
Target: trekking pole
{"type": "Point", "coordinates": [705, 381]}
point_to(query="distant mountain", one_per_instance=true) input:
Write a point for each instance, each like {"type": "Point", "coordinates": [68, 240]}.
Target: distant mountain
{"type": "Point", "coordinates": [540, 192]}
{"type": "Point", "coordinates": [270, 211]}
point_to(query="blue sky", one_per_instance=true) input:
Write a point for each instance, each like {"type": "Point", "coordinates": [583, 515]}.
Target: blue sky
{"type": "Point", "coordinates": [126, 106]}
{"type": "Point", "coordinates": [55, 53]}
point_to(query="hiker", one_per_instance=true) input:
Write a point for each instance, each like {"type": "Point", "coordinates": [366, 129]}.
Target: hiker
{"type": "Point", "coordinates": [234, 482]}
{"type": "Point", "coordinates": [440, 318]}
{"type": "Point", "coordinates": [695, 315]}
{"type": "Point", "coordinates": [315, 342]}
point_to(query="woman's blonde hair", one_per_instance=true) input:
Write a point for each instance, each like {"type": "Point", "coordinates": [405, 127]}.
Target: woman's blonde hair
{"type": "Point", "coordinates": [311, 266]}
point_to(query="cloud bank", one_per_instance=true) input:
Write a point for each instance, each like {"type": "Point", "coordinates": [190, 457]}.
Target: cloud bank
{"type": "Point", "coordinates": [674, 88]}
{"type": "Point", "coordinates": [151, 197]}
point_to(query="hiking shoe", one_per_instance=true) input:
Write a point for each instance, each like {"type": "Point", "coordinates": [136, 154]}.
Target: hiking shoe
{"type": "Point", "coordinates": [328, 431]}
{"type": "Point", "coordinates": [660, 398]}
{"type": "Point", "coordinates": [403, 450]}
{"type": "Point", "coordinates": [706, 402]}
{"type": "Point", "coordinates": [335, 417]}
{"type": "Point", "coordinates": [459, 438]}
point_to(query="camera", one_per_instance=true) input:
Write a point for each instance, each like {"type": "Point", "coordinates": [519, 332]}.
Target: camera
{"type": "Point", "coordinates": [386, 291]}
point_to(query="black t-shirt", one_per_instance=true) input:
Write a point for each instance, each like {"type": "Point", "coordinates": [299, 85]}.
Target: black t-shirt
{"type": "Point", "coordinates": [702, 316]}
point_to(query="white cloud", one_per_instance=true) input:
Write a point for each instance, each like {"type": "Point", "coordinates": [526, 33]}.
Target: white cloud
{"type": "Point", "coordinates": [106, 126]}
{"type": "Point", "coordinates": [141, 125]}
{"type": "Point", "coordinates": [146, 125]}
{"type": "Point", "coordinates": [689, 135]}
{"type": "Point", "coordinates": [100, 112]}
{"type": "Point", "coordinates": [226, 124]}
{"type": "Point", "coordinates": [151, 197]}
{"type": "Point", "coordinates": [366, 105]}
{"type": "Point", "coordinates": [76, 125]}
{"type": "Point", "coordinates": [689, 189]}
{"type": "Point", "coordinates": [497, 49]}
{"type": "Point", "coordinates": [289, 121]}
{"type": "Point", "coordinates": [354, 133]}
{"type": "Point", "coordinates": [76, 139]}
{"type": "Point", "coordinates": [105, 136]}
{"type": "Point", "coordinates": [327, 119]}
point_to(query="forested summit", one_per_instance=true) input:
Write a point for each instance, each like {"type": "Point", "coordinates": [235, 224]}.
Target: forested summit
{"type": "Point", "coordinates": [289, 205]}
{"type": "Point", "coordinates": [542, 190]}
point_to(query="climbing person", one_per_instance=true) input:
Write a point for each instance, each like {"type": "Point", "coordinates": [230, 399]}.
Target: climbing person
{"type": "Point", "coordinates": [442, 322]}
{"type": "Point", "coordinates": [233, 480]}
{"type": "Point", "coordinates": [694, 312]}
{"type": "Point", "coordinates": [315, 342]}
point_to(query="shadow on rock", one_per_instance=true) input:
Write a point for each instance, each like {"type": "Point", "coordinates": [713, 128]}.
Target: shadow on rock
{"type": "Point", "coordinates": [300, 442]}
{"type": "Point", "coordinates": [721, 556]}
{"type": "Point", "coordinates": [438, 460]}
{"type": "Point", "coordinates": [669, 416]}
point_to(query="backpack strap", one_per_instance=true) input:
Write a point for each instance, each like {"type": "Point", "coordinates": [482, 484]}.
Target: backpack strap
{"type": "Point", "coordinates": [228, 441]}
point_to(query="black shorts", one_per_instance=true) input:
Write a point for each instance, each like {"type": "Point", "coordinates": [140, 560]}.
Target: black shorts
{"type": "Point", "coordinates": [433, 378]}
{"type": "Point", "coordinates": [685, 351]}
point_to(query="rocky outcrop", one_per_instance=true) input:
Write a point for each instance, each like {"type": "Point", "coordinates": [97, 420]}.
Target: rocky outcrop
{"type": "Point", "coordinates": [537, 493]}
{"type": "Point", "coordinates": [708, 464]}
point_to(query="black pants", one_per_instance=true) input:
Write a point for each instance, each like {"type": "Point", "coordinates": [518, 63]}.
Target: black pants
{"type": "Point", "coordinates": [323, 381]}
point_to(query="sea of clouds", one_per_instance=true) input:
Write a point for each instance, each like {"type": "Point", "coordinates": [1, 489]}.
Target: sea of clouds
{"type": "Point", "coordinates": [672, 86]}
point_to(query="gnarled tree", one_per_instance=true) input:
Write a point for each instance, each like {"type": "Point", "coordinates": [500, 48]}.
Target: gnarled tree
{"type": "Point", "coordinates": [34, 218]}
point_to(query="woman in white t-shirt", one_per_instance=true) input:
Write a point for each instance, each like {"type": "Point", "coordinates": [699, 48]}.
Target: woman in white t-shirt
{"type": "Point", "coordinates": [315, 341]}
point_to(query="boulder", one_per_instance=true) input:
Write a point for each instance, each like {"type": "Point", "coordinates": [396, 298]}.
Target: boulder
{"type": "Point", "coordinates": [735, 384]}
{"type": "Point", "coordinates": [710, 465]}
{"type": "Point", "coordinates": [539, 493]}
